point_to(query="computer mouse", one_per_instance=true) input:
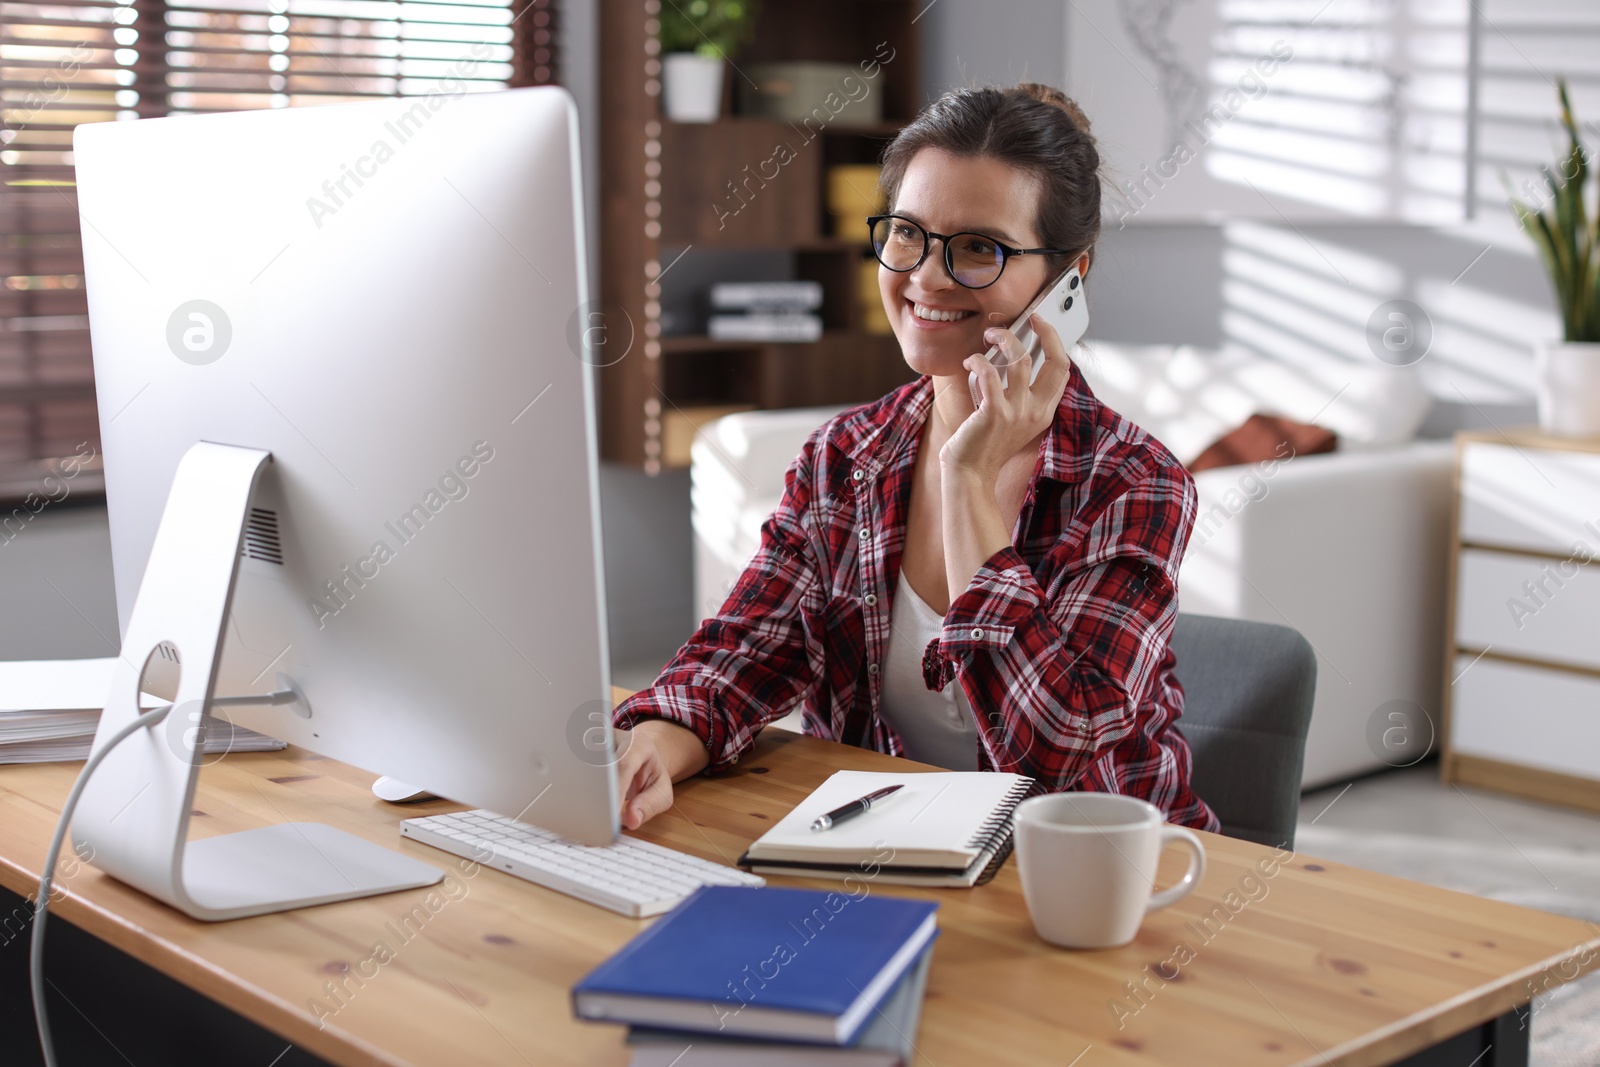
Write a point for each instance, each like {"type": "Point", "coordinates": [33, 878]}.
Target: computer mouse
{"type": "Point", "coordinates": [397, 792]}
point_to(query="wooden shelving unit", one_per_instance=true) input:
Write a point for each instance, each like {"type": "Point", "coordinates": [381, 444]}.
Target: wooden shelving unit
{"type": "Point", "coordinates": [667, 193]}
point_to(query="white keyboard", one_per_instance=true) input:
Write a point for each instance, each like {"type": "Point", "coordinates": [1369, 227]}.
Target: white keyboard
{"type": "Point", "coordinates": [631, 877]}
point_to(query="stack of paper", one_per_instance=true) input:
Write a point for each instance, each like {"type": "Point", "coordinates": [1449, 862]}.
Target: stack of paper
{"type": "Point", "coordinates": [49, 710]}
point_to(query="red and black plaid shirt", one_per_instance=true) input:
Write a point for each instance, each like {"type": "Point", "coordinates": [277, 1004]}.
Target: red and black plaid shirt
{"type": "Point", "coordinates": [1060, 643]}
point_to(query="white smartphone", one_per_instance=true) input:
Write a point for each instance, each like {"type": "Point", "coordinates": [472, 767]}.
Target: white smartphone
{"type": "Point", "coordinates": [1064, 305]}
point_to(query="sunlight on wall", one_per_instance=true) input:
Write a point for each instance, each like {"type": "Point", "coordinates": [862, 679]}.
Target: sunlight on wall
{"type": "Point", "coordinates": [1368, 118]}
{"type": "Point", "coordinates": [1481, 340]}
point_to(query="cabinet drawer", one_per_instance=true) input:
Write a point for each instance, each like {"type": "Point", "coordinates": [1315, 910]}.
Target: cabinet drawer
{"type": "Point", "coordinates": [1541, 499]}
{"type": "Point", "coordinates": [1525, 715]}
{"type": "Point", "coordinates": [1541, 608]}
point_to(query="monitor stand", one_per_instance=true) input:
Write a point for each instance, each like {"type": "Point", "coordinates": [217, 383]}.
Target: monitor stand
{"type": "Point", "coordinates": [132, 820]}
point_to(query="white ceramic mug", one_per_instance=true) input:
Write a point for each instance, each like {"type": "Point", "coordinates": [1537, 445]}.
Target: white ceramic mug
{"type": "Point", "coordinates": [1088, 866]}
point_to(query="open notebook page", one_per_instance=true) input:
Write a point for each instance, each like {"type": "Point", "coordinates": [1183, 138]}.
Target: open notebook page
{"type": "Point", "coordinates": [940, 819]}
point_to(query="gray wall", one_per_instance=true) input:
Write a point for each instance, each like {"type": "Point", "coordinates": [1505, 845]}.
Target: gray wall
{"type": "Point", "coordinates": [1000, 42]}
{"type": "Point", "coordinates": [56, 594]}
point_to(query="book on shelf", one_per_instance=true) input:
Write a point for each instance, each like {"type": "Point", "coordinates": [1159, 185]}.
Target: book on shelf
{"type": "Point", "coordinates": [943, 828]}
{"type": "Point", "coordinates": [788, 964]}
{"type": "Point", "coordinates": [796, 326]}
{"type": "Point", "coordinates": [886, 1041]}
{"type": "Point", "coordinates": [766, 296]}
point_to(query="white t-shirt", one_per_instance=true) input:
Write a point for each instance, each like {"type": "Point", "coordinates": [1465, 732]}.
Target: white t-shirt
{"type": "Point", "coordinates": [936, 727]}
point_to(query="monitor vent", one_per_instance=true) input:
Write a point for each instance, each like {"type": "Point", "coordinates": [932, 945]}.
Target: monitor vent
{"type": "Point", "coordinates": [261, 537]}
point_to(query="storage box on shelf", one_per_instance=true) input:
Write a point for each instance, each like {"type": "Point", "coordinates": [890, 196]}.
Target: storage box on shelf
{"type": "Point", "coordinates": [670, 190]}
{"type": "Point", "coordinates": [1522, 671]}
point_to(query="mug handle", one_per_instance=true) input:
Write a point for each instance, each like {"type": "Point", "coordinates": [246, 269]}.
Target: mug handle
{"type": "Point", "coordinates": [1191, 877]}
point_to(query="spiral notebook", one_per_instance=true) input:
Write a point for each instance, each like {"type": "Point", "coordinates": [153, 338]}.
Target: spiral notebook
{"type": "Point", "coordinates": [950, 828]}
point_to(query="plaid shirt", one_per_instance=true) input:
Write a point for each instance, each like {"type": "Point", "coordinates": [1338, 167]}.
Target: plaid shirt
{"type": "Point", "coordinates": [1060, 642]}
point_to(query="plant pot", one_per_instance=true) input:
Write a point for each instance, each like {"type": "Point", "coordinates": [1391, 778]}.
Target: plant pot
{"type": "Point", "coordinates": [693, 87]}
{"type": "Point", "coordinates": [1568, 384]}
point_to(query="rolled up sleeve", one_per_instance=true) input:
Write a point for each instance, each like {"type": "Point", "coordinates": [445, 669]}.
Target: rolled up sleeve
{"type": "Point", "coordinates": [1057, 680]}
{"type": "Point", "coordinates": [749, 664]}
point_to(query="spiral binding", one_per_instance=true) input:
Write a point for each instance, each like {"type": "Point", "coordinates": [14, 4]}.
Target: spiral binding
{"type": "Point", "coordinates": [994, 830]}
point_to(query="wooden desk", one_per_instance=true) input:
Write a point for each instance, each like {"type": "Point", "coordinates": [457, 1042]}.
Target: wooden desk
{"type": "Point", "coordinates": [1319, 963]}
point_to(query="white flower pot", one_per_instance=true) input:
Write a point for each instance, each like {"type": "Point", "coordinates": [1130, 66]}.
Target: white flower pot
{"type": "Point", "coordinates": [1568, 383]}
{"type": "Point", "coordinates": [693, 87]}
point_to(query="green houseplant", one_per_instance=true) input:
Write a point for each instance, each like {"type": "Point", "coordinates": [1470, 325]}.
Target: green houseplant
{"type": "Point", "coordinates": [1564, 230]}
{"type": "Point", "coordinates": [698, 36]}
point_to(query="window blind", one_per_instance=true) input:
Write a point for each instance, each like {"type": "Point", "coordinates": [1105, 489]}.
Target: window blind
{"type": "Point", "coordinates": [65, 62]}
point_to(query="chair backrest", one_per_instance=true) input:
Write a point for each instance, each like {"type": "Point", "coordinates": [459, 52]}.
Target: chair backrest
{"type": "Point", "coordinates": [1247, 694]}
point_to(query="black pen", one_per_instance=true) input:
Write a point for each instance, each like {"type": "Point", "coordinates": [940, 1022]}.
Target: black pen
{"type": "Point", "coordinates": [852, 809]}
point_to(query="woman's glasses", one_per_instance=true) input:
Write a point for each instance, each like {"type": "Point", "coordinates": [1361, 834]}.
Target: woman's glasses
{"type": "Point", "coordinates": [973, 259]}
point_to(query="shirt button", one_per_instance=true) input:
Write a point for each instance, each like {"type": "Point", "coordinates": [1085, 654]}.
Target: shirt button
{"type": "Point", "coordinates": [977, 635]}
{"type": "Point", "coordinates": [865, 533]}
{"type": "Point", "coordinates": [858, 475]}
{"type": "Point", "coordinates": [872, 599]}
{"type": "Point", "coordinates": [872, 668]}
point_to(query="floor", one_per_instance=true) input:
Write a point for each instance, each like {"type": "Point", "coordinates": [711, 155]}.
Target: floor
{"type": "Point", "coordinates": [1409, 823]}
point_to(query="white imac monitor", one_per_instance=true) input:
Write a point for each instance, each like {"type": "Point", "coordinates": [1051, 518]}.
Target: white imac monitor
{"type": "Point", "coordinates": [350, 457]}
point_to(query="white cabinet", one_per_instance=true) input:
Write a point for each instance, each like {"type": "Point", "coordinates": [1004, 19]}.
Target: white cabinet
{"type": "Point", "coordinates": [1522, 672]}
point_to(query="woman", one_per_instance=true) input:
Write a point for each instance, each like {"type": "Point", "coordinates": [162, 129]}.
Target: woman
{"type": "Point", "coordinates": [989, 587]}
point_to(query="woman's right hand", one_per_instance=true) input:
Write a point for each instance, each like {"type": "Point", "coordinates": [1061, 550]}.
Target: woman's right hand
{"type": "Point", "coordinates": [654, 754]}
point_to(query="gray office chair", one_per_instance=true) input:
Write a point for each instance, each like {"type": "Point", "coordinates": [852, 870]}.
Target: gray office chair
{"type": "Point", "coordinates": [1247, 691]}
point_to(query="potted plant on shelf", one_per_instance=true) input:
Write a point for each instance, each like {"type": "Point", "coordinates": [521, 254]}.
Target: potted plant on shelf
{"type": "Point", "coordinates": [697, 37]}
{"type": "Point", "coordinates": [1564, 231]}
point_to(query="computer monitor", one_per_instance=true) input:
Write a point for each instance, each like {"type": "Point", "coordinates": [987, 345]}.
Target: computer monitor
{"type": "Point", "coordinates": [350, 458]}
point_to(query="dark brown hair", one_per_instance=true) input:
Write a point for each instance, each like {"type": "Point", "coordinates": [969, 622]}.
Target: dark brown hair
{"type": "Point", "coordinates": [1033, 127]}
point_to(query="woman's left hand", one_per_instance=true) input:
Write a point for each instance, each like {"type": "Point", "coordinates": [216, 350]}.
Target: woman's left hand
{"type": "Point", "coordinates": [1007, 418]}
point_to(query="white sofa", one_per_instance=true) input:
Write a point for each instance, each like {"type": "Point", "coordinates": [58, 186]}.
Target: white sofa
{"type": "Point", "coordinates": [1348, 547]}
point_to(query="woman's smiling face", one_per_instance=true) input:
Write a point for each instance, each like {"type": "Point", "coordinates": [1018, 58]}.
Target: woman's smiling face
{"type": "Point", "coordinates": [938, 321]}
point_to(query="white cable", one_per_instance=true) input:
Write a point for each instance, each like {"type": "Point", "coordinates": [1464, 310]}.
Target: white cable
{"type": "Point", "coordinates": [36, 949]}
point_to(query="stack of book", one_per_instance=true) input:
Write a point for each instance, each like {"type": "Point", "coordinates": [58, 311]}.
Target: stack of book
{"type": "Point", "coordinates": [765, 311]}
{"type": "Point", "coordinates": [762, 977]}
{"type": "Point", "coordinates": [50, 709]}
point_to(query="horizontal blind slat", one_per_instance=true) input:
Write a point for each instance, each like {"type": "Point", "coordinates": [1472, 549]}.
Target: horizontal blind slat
{"type": "Point", "coordinates": [66, 62]}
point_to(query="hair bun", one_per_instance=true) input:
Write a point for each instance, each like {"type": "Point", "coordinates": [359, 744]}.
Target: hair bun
{"type": "Point", "coordinates": [1049, 94]}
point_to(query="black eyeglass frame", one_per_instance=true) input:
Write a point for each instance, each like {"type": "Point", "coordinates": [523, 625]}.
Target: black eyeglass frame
{"type": "Point", "coordinates": [1006, 251]}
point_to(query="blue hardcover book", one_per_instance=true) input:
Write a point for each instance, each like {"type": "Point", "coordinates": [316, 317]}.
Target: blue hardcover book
{"type": "Point", "coordinates": [801, 964]}
{"type": "Point", "coordinates": [887, 1040]}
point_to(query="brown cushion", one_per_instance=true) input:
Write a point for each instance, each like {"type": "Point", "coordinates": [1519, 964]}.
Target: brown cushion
{"type": "Point", "coordinates": [1264, 437]}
